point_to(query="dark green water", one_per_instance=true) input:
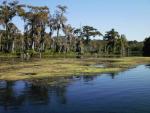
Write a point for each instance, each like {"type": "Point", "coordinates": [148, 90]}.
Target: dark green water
{"type": "Point", "coordinates": [124, 92]}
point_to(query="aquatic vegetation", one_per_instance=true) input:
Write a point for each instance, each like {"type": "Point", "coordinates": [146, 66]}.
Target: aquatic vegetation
{"type": "Point", "coordinates": [66, 67]}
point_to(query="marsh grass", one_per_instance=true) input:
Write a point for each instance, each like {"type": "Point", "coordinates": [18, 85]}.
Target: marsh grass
{"type": "Point", "coordinates": [60, 67]}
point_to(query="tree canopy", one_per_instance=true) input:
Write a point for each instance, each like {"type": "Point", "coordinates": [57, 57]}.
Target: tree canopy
{"type": "Point", "coordinates": [61, 37]}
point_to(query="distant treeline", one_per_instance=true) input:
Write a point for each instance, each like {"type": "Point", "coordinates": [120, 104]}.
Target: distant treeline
{"type": "Point", "coordinates": [45, 31]}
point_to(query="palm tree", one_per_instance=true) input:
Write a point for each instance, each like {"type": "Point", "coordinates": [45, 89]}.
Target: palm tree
{"type": "Point", "coordinates": [42, 21]}
{"type": "Point", "coordinates": [36, 39]}
{"type": "Point", "coordinates": [60, 18]}
{"type": "Point", "coordinates": [70, 38]}
{"type": "Point", "coordinates": [20, 8]}
{"type": "Point", "coordinates": [37, 19]}
{"type": "Point", "coordinates": [121, 45]}
{"type": "Point", "coordinates": [124, 44]}
{"type": "Point", "coordinates": [89, 32]}
{"type": "Point", "coordinates": [111, 38]}
{"type": "Point", "coordinates": [52, 27]}
{"type": "Point", "coordinates": [79, 41]}
{"type": "Point", "coordinates": [56, 23]}
{"type": "Point", "coordinates": [7, 12]}
{"type": "Point", "coordinates": [14, 31]}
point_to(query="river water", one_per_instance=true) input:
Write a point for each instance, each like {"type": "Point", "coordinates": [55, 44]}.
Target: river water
{"type": "Point", "coordinates": [123, 92]}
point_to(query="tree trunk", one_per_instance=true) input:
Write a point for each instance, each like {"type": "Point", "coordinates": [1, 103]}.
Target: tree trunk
{"type": "Point", "coordinates": [7, 38]}
{"type": "Point", "coordinates": [13, 46]}
{"type": "Point", "coordinates": [22, 44]}
{"type": "Point", "coordinates": [43, 46]}
{"type": "Point", "coordinates": [40, 55]}
{"type": "Point", "coordinates": [0, 42]}
{"type": "Point", "coordinates": [114, 48]}
{"type": "Point", "coordinates": [33, 45]}
{"type": "Point", "coordinates": [57, 33]}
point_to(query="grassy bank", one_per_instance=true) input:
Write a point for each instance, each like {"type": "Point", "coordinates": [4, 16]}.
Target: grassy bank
{"type": "Point", "coordinates": [41, 68]}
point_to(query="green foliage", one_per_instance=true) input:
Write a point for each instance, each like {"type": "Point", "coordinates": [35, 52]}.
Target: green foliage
{"type": "Point", "coordinates": [74, 41]}
{"type": "Point", "coordinates": [146, 48]}
{"type": "Point", "coordinates": [135, 48]}
{"type": "Point", "coordinates": [115, 43]}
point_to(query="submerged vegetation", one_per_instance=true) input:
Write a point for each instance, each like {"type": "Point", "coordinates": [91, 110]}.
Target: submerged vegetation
{"type": "Point", "coordinates": [66, 67]}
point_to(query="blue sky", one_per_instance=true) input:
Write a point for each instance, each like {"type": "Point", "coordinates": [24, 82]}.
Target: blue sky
{"type": "Point", "coordinates": [129, 17]}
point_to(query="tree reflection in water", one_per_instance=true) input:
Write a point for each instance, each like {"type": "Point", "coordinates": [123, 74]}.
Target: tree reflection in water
{"type": "Point", "coordinates": [148, 66]}
{"type": "Point", "coordinates": [14, 95]}
{"type": "Point", "coordinates": [88, 78]}
{"type": "Point", "coordinates": [37, 94]}
{"type": "Point", "coordinates": [8, 96]}
{"type": "Point", "coordinates": [32, 92]}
